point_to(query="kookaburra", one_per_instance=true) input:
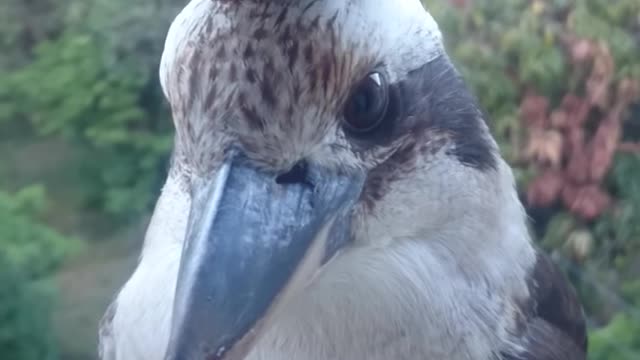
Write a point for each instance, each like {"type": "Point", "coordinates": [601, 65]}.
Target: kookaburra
{"type": "Point", "coordinates": [334, 194]}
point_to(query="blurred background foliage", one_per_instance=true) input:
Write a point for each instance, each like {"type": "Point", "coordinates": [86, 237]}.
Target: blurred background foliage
{"type": "Point", "coordinates": [85, 136]}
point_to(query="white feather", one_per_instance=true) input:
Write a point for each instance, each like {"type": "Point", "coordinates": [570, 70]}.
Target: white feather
{"type": "Point", "coordinates": [411, 293]}
{"type": "Point", "coordinates": [402, 31]}
{"type": "Point", "coordinates": [140, 327]}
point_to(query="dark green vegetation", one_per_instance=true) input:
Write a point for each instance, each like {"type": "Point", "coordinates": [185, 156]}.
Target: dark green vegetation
{"type": "Point", "coordinates": [85, 135]}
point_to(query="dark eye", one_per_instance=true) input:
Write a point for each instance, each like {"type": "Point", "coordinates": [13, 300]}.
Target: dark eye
{"type": "Point", "coordinates": [367, 105]}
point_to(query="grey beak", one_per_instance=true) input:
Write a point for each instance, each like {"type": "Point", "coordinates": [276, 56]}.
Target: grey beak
{"type": "Point", "coordinates": [247, 239]}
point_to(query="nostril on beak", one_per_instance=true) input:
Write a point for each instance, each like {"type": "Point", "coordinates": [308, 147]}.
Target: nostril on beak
{"type": "Point", "coordinates": [298, 174]}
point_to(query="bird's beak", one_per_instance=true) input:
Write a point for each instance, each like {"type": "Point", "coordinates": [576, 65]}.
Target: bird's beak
{"type": "Point", "coordinates": [251, 243]}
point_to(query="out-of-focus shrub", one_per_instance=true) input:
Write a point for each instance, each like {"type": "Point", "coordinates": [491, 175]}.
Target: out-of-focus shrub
{"type": "Point", "coordinates": [82, 72]}
{"type": "Point", "coordinates": [69, 90]}
{"type": "Point", "coordinates": [25, 312]}
{"type": "Point", "coordinates": [617, 341]}
{"type": "Point", "coordinates": [29, 253]}
{"type": "Point", "coordinates": [92, 80]}
{"type": "Point", "coordinates": [559, 80]}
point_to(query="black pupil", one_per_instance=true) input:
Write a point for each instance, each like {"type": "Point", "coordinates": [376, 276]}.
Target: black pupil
{"type": "Point", "coordinates": [362, 102]}
{"type": "Point", "coordinates": [366, 106]}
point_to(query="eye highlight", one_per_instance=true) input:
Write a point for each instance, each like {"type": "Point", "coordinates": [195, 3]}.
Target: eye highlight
{"type": "Point", "coordinates": [367, 105]}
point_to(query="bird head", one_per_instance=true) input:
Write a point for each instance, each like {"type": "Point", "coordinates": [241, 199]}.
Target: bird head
{"type": "Point", "coordinates": [305, 129]}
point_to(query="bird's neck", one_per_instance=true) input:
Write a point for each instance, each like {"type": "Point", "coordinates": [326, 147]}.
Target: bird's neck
{"type": "Point", "coordinates": [430, 298]}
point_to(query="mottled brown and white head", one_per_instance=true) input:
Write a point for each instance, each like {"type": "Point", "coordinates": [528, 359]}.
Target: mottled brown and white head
{"type": "Point", "coordinates": [308, 130]}
{"type": "Point", "coordinates": [344, 85]}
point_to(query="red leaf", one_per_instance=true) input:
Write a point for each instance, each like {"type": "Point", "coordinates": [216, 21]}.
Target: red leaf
{"type": "Point", "coordinates": [587, 201]}
{"type": "Point", "coordinates": [533, 110]}
{"type": "Point", "coordinates": [574, 112]}
{"type": "Point", "coordinates": [578, 167]}
{"type": "Point", "coordinates": [574, 141]}
{"type": "Point", "coordinates": [559, 119]}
